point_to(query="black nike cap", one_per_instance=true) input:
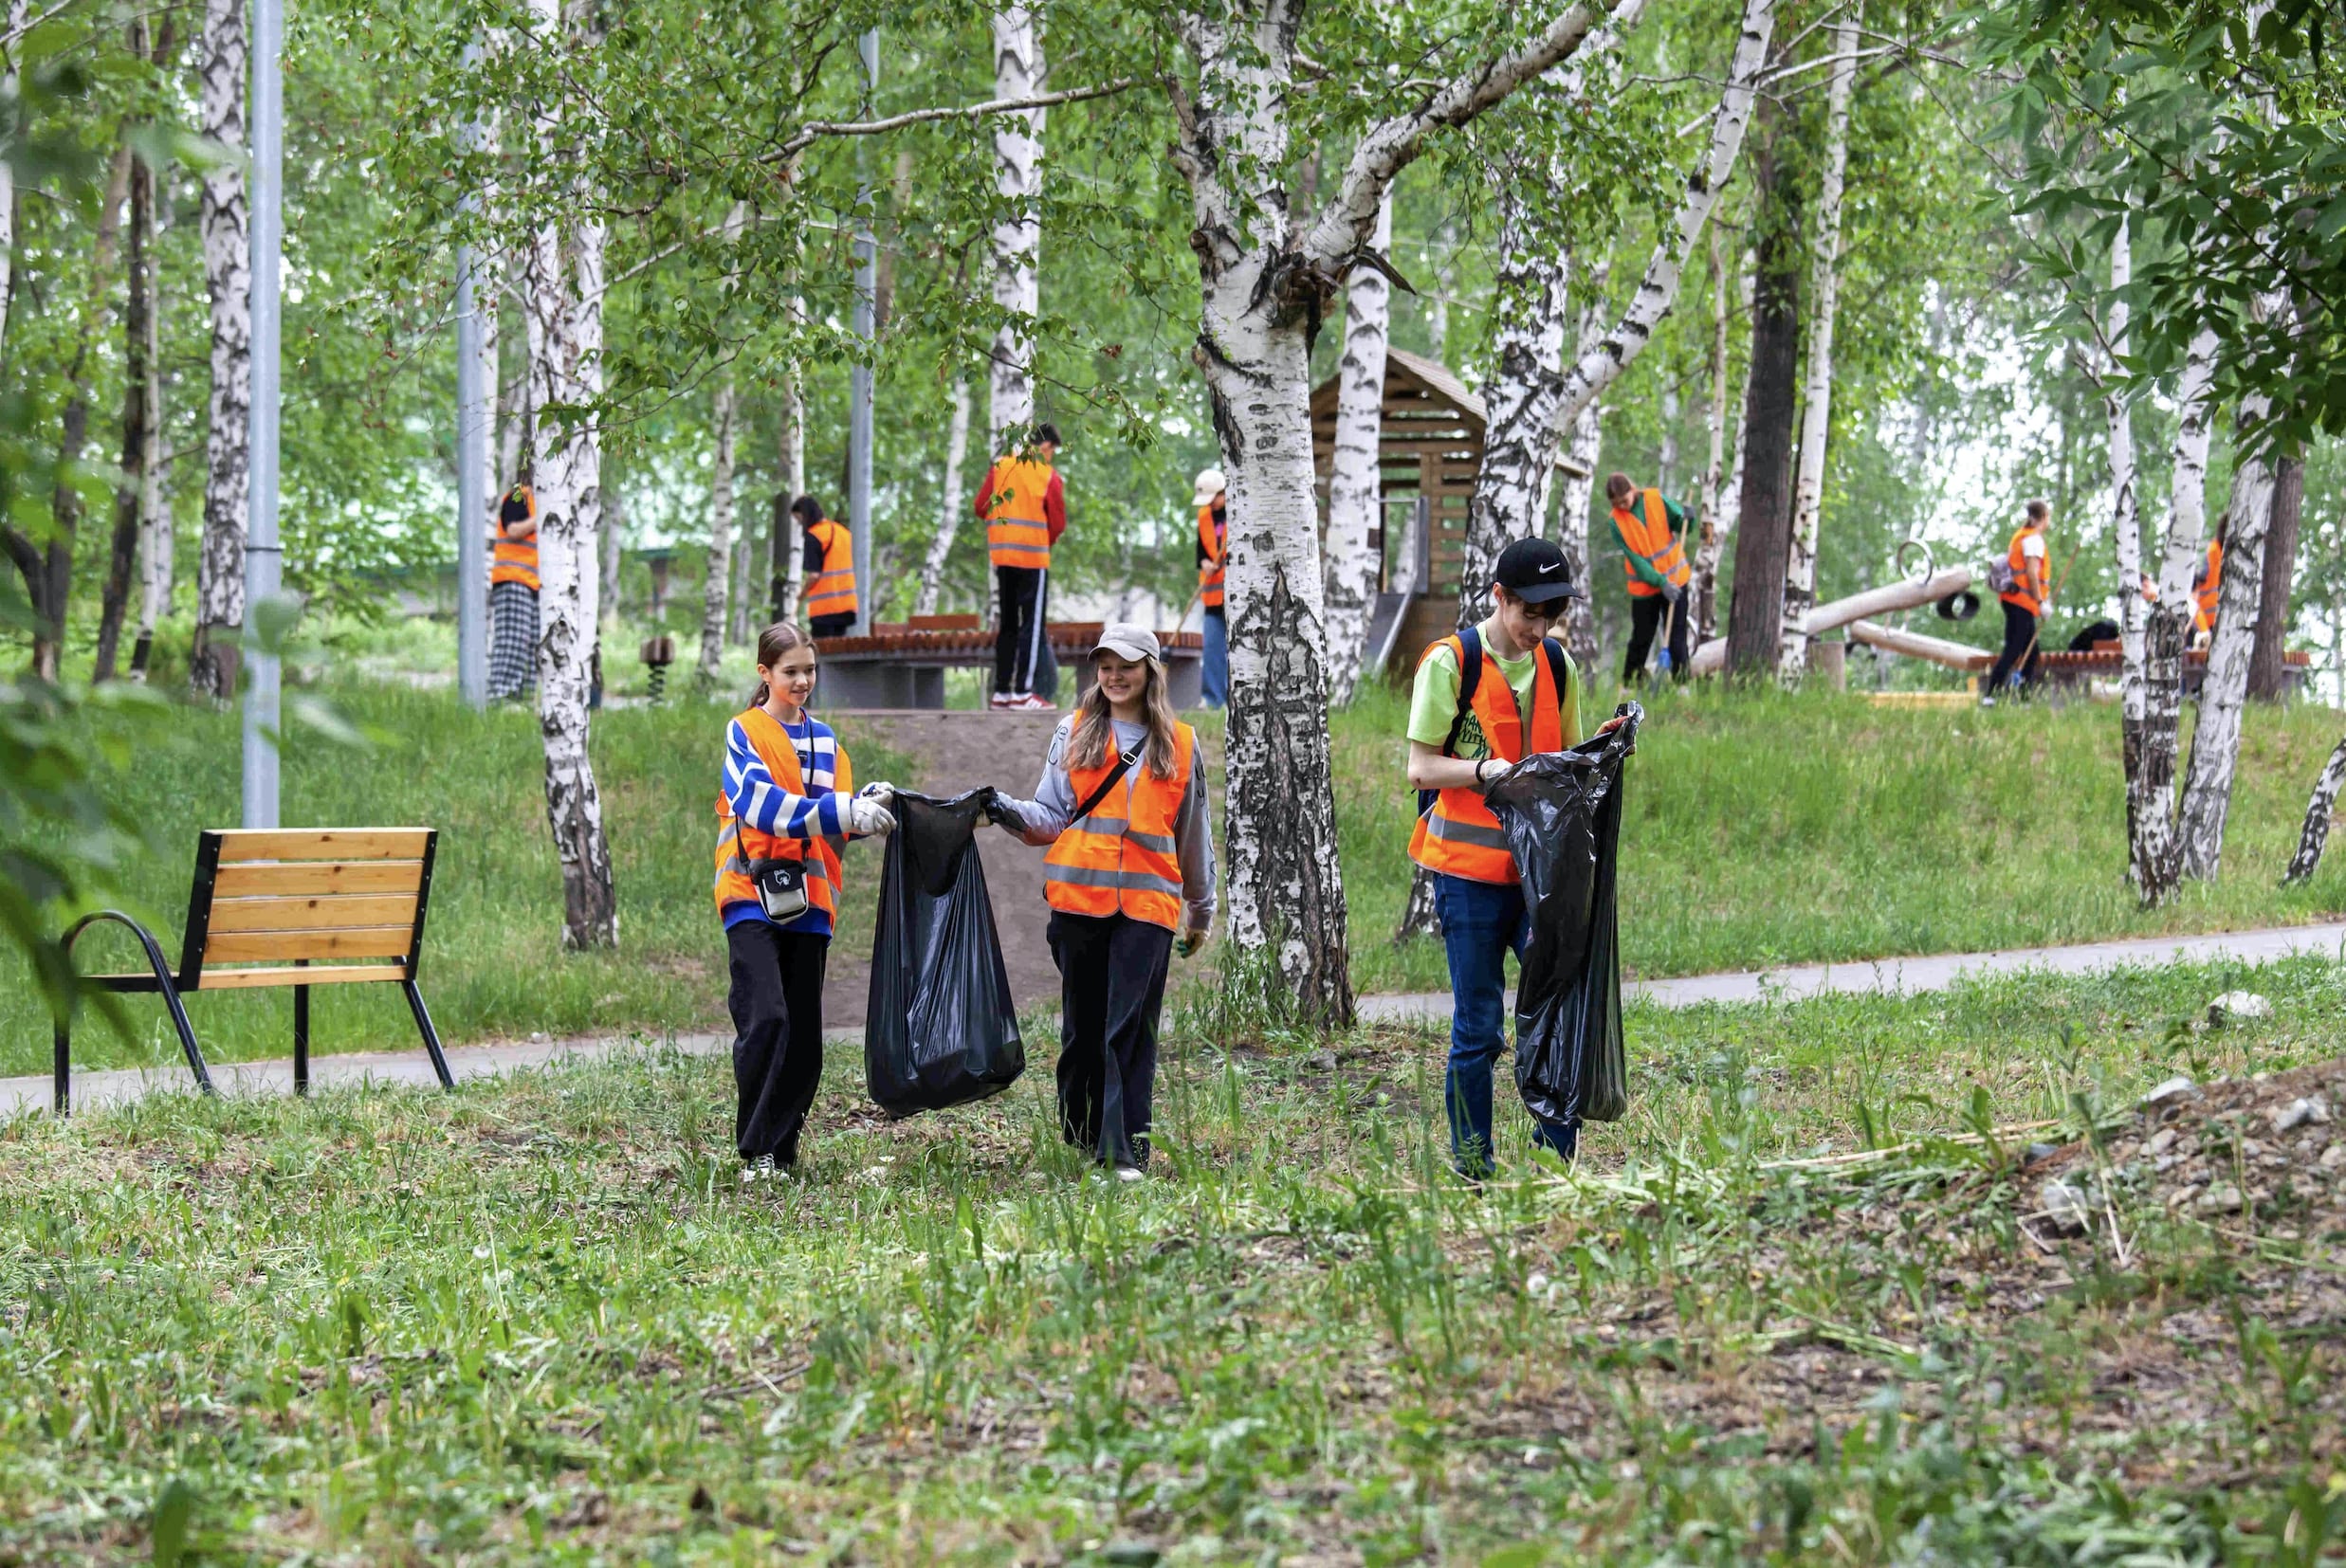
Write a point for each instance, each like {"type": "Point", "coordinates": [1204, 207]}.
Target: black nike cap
{"type": "Point", "coordinates": [1536, 572]}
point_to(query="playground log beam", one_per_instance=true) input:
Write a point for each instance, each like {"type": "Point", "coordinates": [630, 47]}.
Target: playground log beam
{"type": "Point", "coordinates": [1909, 593]}
{"type": "Point", "coordinates": [1914, 645]}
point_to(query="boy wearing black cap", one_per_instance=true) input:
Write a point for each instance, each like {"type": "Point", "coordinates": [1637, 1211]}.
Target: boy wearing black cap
{"type": "Point", "coordinates": [1484, 699]}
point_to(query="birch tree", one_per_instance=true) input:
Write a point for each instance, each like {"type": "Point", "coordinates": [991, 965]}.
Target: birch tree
{"type": "Point", "coordinates": [2224, 691]}
{"type": "Point", "coordinates": [1715, 468]}
{"type": "Point", "coordinates": [227, 278]}
{"type": "Point", "coordinates": [563, 301]}
{"type": "Point", "coordinates": [789, 561]}
{"type": "Point", "coordinates": [1541, 412]}
{"type": "Point", "coordinates": [1764, 510]}
{"type": "Point", "coordinates": [949, 509]}
{"type": "Point", "coordinates": [2315, 834]}
{"type": "Point", "coordinates": [1800, 576]}
{"type": "Point", "coordinates": [1019, 73]}
{"type": "Point", "coordinates": [20, 14]}
{"type": "Point", "coordinates": [2126, 528]}
{"type": "Point", "coordinates": [713, 591]}
{"type": "Point", "coordinates": [1355, 477]}
{"type": "Point", "coordinates": [1263, 280]}
{"type": "Point", "coordinates": [138, 417]}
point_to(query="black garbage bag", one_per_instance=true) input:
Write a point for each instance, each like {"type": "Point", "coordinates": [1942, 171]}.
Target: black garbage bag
{"type": "Point", "coordinates": [940, 1029]}
{"type": "Point", "coordinates": [1561, 814]}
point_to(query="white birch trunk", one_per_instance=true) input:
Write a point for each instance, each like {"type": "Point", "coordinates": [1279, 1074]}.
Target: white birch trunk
{"type": "Point", "coordinates": [20, 12]}
{"type": "Point", "coordinates": [1519, 441]}
{"type": "Point", "coordinates": [787, 542]}
{"type": "Point", "coordinates": [1575, 497]}
{"type": "Point", "coordinates": [2126, 528]}
{"type": "Point", "coordinates": [1666, 459]}
{"type": "Point", "coordinates": [227, 276]}
{"type": "Point", "coordinates": [713, 593]}
{"type": "Point", "coordinates": [1018, 72]}
{"type": "Point", "coordinates": [2149, 755]}
{"type": "Point", "coordinates": [612, 526]}
{"type": "Point", "coordinates": [1800, 574]}
{"type": "Point", "coordinates": [1539, 418]}
{"type": "Point", "coordinates": [949, 508]}
{"type": "Point", "coordinates": [485, 292]}
{"type": "Point", "coordinates": [2315, 834]}
{"type": "Point", "coordinates": [156, 545]}
{"type": "Point", "coordinates": [1714, 467]}
{"type": "Point", "coordinates": [2224, 695]}
{"type": "Point", "coordinates": [564, 299]}
{"type": "Point", "coordinates": [1355, 478]}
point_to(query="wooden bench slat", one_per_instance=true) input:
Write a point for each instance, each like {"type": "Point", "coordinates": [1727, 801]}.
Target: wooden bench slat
{"type": "Point", "coordinates": [312, 914]}
{"type": "Point", "coordinates": [371, 942]}
{"type": "Point", "coordinates": [307, 878]}
{"type": "Point", "coordinates": [247, 979]}
{"type": "Point", "coordinates": [240, 844]}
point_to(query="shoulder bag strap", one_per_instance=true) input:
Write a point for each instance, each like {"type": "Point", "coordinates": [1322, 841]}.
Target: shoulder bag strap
{"type": "Point", "coordinates": [1115, 776]}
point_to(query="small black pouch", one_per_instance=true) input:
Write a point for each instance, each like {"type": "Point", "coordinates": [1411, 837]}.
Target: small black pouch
{"type": "Point", "coordinates": [781, 888]}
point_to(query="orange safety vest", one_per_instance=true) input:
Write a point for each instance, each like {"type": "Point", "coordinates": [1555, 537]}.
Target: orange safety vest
{"type": "Point", "coordinates": [2209, 593]}
{"type": "Point", "coordinates": [832, 592]}
{"type": "Point", "coordinates": [2016, 558]}
{"type": "Point", "coordinates": [1123, 860]}
{"type": "Point", "coordinates": [1016, 531]}
{"type": "Point", "coordinates": [516, 560]}
{"type": "Point", "coordinates": [1460, 837]}
{"type": "Point", "coordinates": [1647, 532]}
{"type": "Point", "coordinates": [1210, 574]}
{"type": "Point", "coordinates": [738, 843]}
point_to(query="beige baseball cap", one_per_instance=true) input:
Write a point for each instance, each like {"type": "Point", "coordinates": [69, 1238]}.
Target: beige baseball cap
{"type": "Point", "coordinates": [1127, 641]}
{"type": "Point", "coordinates": [1210, 483]}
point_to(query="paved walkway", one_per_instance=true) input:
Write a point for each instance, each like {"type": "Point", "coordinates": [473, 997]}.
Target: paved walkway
{"type": "Point", "coordinates": [1935, 972]}
{"type": "Point", "coordinates": [1887, 977]}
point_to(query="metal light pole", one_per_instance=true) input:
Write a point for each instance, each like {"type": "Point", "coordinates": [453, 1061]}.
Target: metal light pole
{"type": "Point", "coordinates": [472, 468]}
{"type": "Point", "coordinates": [264, 561]}
{"type": "Point", "coordinates": [859, 375]}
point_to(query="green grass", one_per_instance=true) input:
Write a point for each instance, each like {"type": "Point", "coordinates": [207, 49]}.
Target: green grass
{"type": "Point", "coordinates": [1761, 830]}
{"type": "Point", "coordinates": [539, 1321]}
{"type": "Point", "coordinates": [1766, 828]}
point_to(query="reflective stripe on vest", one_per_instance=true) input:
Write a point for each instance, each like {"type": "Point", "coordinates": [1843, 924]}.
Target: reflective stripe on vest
{"type": "Point", "coordinates": [1127, 863]}
{"type": "Point", "coordinates": [2016, 557]}
{"type": "Point", "coordinates": [2207, 594]}
{"type": "Point", "coordinates": [1649, 536]}
{"type": "Point", "coordinates": [1016, 531]}
{"type": "Point", "coordinates": [515, 561]}
{"type": "Point", "coordinates": [738, 843]}
{"type": "Point", "coordinates": [832, 592]}
{"type": "Point", "coordinates": [1210, 574]}
{"type": "Point", "coordinates": [1460, 837]}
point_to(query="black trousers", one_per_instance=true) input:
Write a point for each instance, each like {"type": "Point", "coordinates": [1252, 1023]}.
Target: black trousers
{"type": "Point", "coordinates": [1018, 646]}
{"type": "Point", "coordinates": [1644, 620]}
{"type": "Point", "coordinates": [831, 626]}
{"type": "Point", "coordinates": [2020, 642]}
{"type": "Point", "coordinates": [1111, 990]}
{"type": "Point", "coordinates": [776, 1002]}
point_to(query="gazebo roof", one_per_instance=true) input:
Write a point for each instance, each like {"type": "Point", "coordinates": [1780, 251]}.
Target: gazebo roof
{"type": "Point", "coordinates": [1423, 399]}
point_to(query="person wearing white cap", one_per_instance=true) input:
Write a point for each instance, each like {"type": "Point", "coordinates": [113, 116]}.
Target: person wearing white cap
{"type": "Point", "coordinates": [1122, 804]}
{"type": "Point", "coordinates": [1213, 503]}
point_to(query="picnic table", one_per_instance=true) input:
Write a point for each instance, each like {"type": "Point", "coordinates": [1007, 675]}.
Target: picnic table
{"type": "Point", "coordinates": [901, 664]}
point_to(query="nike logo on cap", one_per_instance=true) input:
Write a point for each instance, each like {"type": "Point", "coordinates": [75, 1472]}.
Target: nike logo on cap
{"type": "Point", "coordinates": [1550, 567]}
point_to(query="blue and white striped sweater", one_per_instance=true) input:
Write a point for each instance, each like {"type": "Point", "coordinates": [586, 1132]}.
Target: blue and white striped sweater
{"type": "Point", "coordinates": [760, 800]}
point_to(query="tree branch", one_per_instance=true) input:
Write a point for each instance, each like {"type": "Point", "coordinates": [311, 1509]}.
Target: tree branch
{"type": "Point", "coordinates": [1388, 148]}
{"type": "Point", "coordinates": [809, 134]}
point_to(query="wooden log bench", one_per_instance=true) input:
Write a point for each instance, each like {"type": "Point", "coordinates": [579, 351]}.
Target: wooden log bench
{"type": "Point", "coordinates": [299, 907]}
{"type": "Point", "coordinates": [904, 666]}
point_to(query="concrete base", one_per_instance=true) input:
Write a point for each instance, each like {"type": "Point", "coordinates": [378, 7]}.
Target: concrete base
{"type": "Point", "coordinates": [1828, 662]}
{"type": "Point", "coordinates": [855, 684]}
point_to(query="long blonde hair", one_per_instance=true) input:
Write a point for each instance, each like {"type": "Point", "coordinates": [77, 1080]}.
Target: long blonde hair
{"type": "Point", "coordinates": [1095, 728]}
{"type": "Point", "coordinates": [773, 642]}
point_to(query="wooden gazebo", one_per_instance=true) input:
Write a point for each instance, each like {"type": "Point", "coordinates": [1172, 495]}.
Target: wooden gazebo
{"type": "Point", "coordinates": [1428, 451]}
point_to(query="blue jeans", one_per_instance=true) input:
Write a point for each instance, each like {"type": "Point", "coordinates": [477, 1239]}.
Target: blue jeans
{"type": "Point", "coordinates": [1481, 921]}
{"type": "Point", "coordinates": [1214, 679]}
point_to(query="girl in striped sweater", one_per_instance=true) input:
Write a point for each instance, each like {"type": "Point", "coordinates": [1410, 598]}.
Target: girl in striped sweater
{"type": "Point", "coordinates": [783, 814]}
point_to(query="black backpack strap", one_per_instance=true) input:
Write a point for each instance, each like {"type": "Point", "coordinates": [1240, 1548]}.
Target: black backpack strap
{"type": "Point", "coordinates": [1557, 666]}
{"type": "Point", "coordinates": [1469, 677]}
{"type": "Point", "coordinates": [1124, 766]}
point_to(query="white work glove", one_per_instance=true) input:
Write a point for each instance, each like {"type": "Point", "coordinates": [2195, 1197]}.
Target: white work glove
{"type": "Point", "coordinates": [880, 793]}
{"type": "Point", "coordinates": [868, 816]}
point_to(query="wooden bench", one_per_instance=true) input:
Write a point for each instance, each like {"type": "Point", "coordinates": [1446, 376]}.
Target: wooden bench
{"type": "Point", "coordinates": [297, 908]}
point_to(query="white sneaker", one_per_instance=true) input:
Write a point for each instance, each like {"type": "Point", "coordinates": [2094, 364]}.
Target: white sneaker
{"type": "Point", "coordinates": [1033, 702]}
{"type": "Point", "coordinates": [760, 1169]}
{"type": "Point", "coordinates": [1131, 1172]}
{"type": "Point", "coordinates": [1000, 699]}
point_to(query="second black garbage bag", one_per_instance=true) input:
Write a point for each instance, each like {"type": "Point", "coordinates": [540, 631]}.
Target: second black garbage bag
{"type": "Point", "coordinates": [940, 1029]}
{"type": "Point", "coordinates": [1561, 814]}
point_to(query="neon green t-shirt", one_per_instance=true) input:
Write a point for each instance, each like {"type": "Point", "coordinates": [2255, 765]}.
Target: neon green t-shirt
{"type": "Point", "coordinates": [1433, 699]}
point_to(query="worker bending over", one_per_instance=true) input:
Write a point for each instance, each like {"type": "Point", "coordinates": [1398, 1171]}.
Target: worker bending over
{"type": "Point", "coordinates": [1485, 698]}
{"type": "Point", "coordinates": [2207, 586]}
{"type": "Point", "coordinates": [513, 595]}
{"type": "Point", "coordinates": [1025, 511]}
{"type": "Point", "coordinates": [828, 565]}
{"type": "Point", "coordinates": [2025, 587]}
{"type": "Point", "coordinates": [1652, 529]}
